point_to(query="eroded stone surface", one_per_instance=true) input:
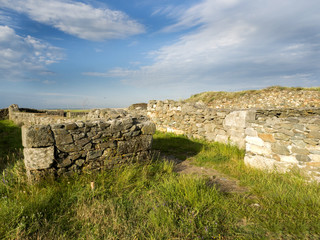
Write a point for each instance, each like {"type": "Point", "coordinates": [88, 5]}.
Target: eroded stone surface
{"type": "Point", "coordinates": [37, 136]}
{"type": "Point", "coordinates": [38, 158]}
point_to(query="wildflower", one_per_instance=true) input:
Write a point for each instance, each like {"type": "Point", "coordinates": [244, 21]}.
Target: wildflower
{"type": "Point", "coordinates": [4, 181]}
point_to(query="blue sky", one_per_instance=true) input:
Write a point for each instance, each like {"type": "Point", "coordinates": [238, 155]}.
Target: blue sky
{"type": "Point", "coordinates": [94, 53]}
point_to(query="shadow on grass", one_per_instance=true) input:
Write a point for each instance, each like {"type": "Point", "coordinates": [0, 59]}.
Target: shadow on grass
{"type": "Point", "coordinates": [177, 145]}
{"type": "Point", "coordinates": [10, 143]}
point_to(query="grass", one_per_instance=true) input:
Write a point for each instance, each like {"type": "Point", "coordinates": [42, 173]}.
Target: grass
{"type": "Point", "coordinates": [10, 143]}
{"type": "Point", "coordinates": [151, 201]}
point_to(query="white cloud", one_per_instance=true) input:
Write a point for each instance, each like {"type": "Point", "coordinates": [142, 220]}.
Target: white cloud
{"type": "Point", "coordinates": [48, 82]}
{"type": "Point", "coordinates": [236, 44]}
{"type": "Point", "coordinates": [22, 55]}
{"type": "Point", "coordinates": [78, 19]}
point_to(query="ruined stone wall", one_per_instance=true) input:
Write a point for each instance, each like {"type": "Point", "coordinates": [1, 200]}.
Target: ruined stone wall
{"type": "Point", "coordinates": [63, 149]}
{"type": "Point", "coordinates": [270, 98]}
{"type": "Point", "coordinates": [199, 121]}
{"type": "Point", "coordinates": [21, 116]}
{"type": "Point", "coordinates": [281, 143]}
{"type": "Point", "coordinates": [272, 138]}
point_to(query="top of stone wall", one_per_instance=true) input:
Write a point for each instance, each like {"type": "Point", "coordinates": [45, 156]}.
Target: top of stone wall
{"type": "Point", "coordinates": [269, 98]}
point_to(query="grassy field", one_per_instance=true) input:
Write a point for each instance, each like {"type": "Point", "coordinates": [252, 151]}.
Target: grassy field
{"type": "Point", "coordinates": [151, 201]}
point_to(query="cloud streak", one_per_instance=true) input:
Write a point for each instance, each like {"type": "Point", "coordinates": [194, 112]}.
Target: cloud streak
{"type": "Point", "coordinates": [77, 19]}
{"type": "Point", "coordinates": [236, 44]}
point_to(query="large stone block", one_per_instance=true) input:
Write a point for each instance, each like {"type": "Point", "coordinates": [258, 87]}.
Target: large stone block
{"type": "Point", "coordinates": [267, 137]}
{"type": "Point", "coordinates": [259, 150]}
{"type": "Point", "coordinates": [149, 128]}
{"type": "Point", "coordinates": [314, 157]}
{"type": "Point", "coordinates": [239, 119]}
{"type": "Point", "coordinates": [266, 163]}
{"type": "Point", "coordinates": [38, 158]}
{"type": "Point", "coordinates": [280, 149]}
{"type": "Point", "coordinates": [255, 141]}
{"type": "Point", "coordinates": [222, 139]}
{"type": "Point", "coordinates": [141, 143]}
{"type": "Point", "coordinates": [37, 136]}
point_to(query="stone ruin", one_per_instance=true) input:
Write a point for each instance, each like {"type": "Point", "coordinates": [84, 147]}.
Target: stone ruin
{"type": "Point", "coordinates": [274, 139]}
{"type": "Point", "coordinates": [64, 146]}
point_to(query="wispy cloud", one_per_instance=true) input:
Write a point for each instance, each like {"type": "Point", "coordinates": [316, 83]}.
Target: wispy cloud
{"type": "Point", "coordinates": [22, 55]}
{"type": "Point", "coordinates": [78, 19]}
{"type": "Point", "coordinates": [236, 43]}
{"type": "Point", "coordinates": [48, 82]}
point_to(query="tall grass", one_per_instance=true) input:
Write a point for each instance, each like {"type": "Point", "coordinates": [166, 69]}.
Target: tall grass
{"type": "Point", "coordinates": [10, 143]}
{"type": "Point", "coordinates": [151, 201]}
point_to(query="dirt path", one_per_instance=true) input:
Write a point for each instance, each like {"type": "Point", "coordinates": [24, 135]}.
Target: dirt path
{"type": "Point", "coordinates": [223, 182]}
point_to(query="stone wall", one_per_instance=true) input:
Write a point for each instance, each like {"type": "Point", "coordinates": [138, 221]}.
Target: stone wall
{"type": "Point", "coordinates": [199, 121]}
{"type": "Point", "coordinates": [273, 138]}
{"type": "Point", "coordinates": [63, 149]}
{"type": "Point", "coordinates": [4, 114]}
{"type": "Point", "coordinates": [269, 98]}
{"type": "Point", "coordinates": [23, 116]}
{"type": "Point", "coordinates": [281, 143]}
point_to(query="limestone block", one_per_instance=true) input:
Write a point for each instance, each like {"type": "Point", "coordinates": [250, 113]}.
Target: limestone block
{"type": "Point", "coordinates": [140, 143]}
{"type": "Point", "coordinates": [303, 158]}
{"type": "Point", "coordinates": [314, 127]}
{"type": "Point", "coordinates": [314, 149]}
{"type": "Point", "coordinates": [69, 148]}
{"type": "Point", "coordinates": [266, 137]}
{"type": "Point", "coordinates": [299, 143]}
{"type": "Point", "coordinates": [239, 119]}
{"type": "Point", "coordinates": [259, 150]}
{"type": "Point", "coordinates": [280, 149]}
{"type": "Point", "coordinates": [94, 154]}
{"type": "Point", "coordinates": [300, 151]}
{"type": "Point", "coordinates": [255, 141]}
{"type": "Point", "coordinates": [288, 159]}
{"type": "Point", "coordinates": [222, 139]}
{"type": "Point", "coordinates": [148, 128]}
{"type": "Point", "coordinates": [38, 158]}
{"type": "Point", "coordinates": [37, 136]}
{"type": "Point", "coordinates": [209, 127]}
{"type": "Point", "coordinates": [71, 126]}
{"type": "Point", "coordinates": [314, 134]}
{"type": "Point", "coordinates": [266, 163]}
{"type": "Point", "coordinates": [260, 162]}
{"type": "Point", "coordinates": [251, 132]}
{"type": "Point", "coordinates": [314, 157]}
{"type": "Point", "coordinates": [281, 136]}
{"type": "Point", "coordinates": [311, 141]}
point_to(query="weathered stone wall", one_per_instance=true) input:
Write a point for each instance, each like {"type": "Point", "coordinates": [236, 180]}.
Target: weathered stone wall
{"type": "Point", "coordinates": [62, 149]}
{"type": "Point", "coordinates": [272, 138]}
{"type": "Point", "coordinates": [281, 143]}
{"type": "Point", "coordinates": [269, 98]}
{"type": "Point", "coordinates": [23, 116]}
{"type": "Point", "coordinates": [199, 121]}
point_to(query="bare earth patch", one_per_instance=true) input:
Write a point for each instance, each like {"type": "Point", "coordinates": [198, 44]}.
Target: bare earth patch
{"type": "Point", "coordinates": [223, 182]}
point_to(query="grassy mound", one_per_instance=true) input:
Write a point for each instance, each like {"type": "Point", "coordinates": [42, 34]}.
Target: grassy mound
{"type": "Point", "coordinates": [209, 97]}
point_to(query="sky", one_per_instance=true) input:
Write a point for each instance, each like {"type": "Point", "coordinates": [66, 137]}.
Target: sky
{"type": "Point", "coordinates": [113, 53]}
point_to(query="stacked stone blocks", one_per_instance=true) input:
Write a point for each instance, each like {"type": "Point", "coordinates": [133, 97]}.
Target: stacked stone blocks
{"type": "Point", "coordinates": [62, 149]}
{"type": "Point", "coordinates": [273, 138]}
